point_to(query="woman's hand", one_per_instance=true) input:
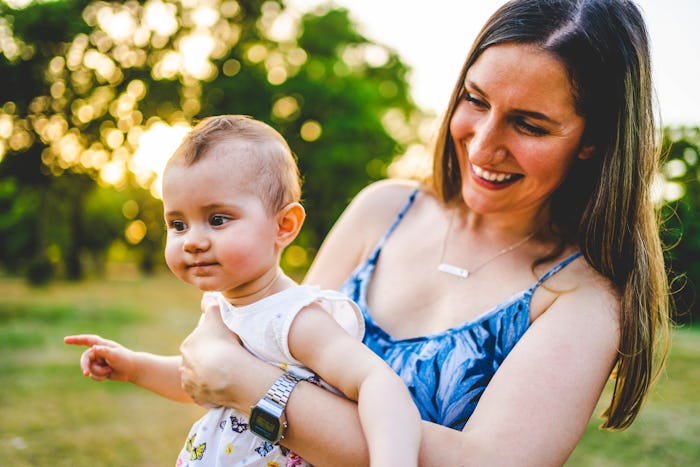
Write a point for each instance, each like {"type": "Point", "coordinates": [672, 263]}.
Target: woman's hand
{"type": "Point", "coordinates": [213, 362]}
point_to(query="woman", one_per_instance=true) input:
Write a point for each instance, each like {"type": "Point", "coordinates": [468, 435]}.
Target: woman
{"type": "Point", "coordinates": [507, 289]}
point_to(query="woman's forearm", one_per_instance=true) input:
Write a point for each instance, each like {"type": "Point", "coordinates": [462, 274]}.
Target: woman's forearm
{"type": "Point", "coordinates": [324, 428]}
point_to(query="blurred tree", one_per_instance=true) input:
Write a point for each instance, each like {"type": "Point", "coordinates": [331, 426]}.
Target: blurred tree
{"type": "Point", "coordinates": [342, 102]}
{"type": "Point", "coordinates": [682, 220]}
{"type": "Point", "coordinates": [84, 81]}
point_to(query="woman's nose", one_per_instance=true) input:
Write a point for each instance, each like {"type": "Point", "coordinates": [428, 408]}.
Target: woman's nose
{"type": "Point", "coordinates": [487, 146]}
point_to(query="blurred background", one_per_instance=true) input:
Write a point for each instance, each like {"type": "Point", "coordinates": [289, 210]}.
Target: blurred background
{"type": "Point", "coordinates": [95, 95]}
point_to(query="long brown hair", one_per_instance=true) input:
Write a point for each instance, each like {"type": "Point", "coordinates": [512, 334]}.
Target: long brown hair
{"type": "Point", "coordinates": [604, 206]}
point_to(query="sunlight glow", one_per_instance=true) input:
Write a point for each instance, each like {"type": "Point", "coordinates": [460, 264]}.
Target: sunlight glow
{"type": "Point", "coordinates": [285, 108]}
{"type": "Point", "coordinates": [9, 45]}
{"type": "Point", "coordinates": [311, 130]}
{"type": "Point", "coordinates": [17, 4]}
{"type": "Point", "coordinates": [135, 231]}
{"type": "Point", "coordinates": [113, 173]}
{"type": "Point", "coordinates": [120, 25]}
{"type": "Point", "coordinates": [155, 146]}
{"type": "Point", "coordinates": [5, 126]}
{"type": "Point", "coordinates": [167, 67]}
{"type": "Point", "coordinates": [675, 168]}
{"type": "Point", "coordinates": [195, 51]}
{"type": "Point", "coordinates": [160, 17]}
{"type": "Point", "coordinates": [205, 17]}
{"type": "Point", "coordinates": [690, 156]}
{"type": "Point", "coordinates": [256, 53]}
{"type": "Point", "coordinates": [673, 191]}
{"type": "Point", "coordinates": [282, 28]}
{"type": "Point", "coordinates": [414, 163]}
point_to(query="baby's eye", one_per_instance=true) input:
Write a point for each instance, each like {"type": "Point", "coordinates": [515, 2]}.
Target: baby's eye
{"type": "Point", "coordinates": [177, 226]}
{"type": "Point", "coordinates": [218, 220]}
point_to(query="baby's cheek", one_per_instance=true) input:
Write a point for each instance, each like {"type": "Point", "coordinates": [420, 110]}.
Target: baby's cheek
{"type": "Point", "coordinates": [173, 259]}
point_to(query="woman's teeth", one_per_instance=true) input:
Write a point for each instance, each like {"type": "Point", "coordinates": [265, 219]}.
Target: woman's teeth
{"type": "Point", "coordinates": [492, 176]}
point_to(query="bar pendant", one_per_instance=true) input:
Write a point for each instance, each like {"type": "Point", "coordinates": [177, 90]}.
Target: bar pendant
{"type": "Point", "coordinates": [454, 270]}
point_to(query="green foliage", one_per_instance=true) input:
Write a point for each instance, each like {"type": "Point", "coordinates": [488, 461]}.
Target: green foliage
{"type": "Point", "coordinates": [682, 220]}
{"type": "Point", "coordinates": [347, 100]}
{"type": "Point", "coordinates": [18, 209]}
{"type": "Point", "coordinates": [40, 270]}
{"type": "Point", "coordinates": [78, 95]}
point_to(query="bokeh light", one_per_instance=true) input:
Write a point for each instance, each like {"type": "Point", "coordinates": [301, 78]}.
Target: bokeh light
{"type": "Point", "coordinates": [155, 146]}
{"type": "Point", "coordinates": [310, 131]}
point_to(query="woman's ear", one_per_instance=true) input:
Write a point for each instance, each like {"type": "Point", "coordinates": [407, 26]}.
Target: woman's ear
{"type": "Point", "coordinates": [586, 152]}
{"type": "Point", "coordinates": [289, 221]}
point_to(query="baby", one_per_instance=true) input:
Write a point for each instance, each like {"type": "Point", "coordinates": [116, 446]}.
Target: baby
{"type": "Point", "coordinates": [231, 196]}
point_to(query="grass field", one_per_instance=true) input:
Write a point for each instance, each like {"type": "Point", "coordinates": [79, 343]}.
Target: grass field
{"type": "Point", "coordinates": [50, 415]}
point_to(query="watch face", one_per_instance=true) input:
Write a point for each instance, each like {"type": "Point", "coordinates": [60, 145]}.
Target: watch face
{"type": "Point", "coordinates": [267, 420]}
{"type": "Point", "coordinates": [264, 424]}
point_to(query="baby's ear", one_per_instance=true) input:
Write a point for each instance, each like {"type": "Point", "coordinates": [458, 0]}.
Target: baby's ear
{"type": "Point", "coordinates": [289, 221]}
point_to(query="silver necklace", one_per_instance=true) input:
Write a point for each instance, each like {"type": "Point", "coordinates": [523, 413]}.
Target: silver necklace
{"type": "Point", "coordinates": [464, 272]}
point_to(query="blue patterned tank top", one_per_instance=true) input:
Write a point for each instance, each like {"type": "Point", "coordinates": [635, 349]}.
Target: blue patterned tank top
{"type": "Point", "coordinates": [447, 372]}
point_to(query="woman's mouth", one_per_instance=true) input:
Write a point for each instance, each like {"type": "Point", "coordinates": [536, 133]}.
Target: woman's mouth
{"type": "Point", "coordinates": [495, 178]}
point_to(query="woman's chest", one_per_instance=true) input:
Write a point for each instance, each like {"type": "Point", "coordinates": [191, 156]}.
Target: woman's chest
{"type": "Point", "coordinates": [411, 298]}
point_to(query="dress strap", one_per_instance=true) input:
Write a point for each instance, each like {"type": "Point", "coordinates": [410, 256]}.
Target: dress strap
{"type": "Point", "coordinates": [386, 235]}
{"type": "Point", "coordinates": [555, 269]}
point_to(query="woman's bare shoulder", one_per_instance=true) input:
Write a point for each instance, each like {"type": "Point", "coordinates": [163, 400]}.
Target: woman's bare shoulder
{"type": "Point", "coordinates": [387, 194]}
{"type": "Point", "coordinates": [358, 230]}
{"type": "Point", "coordinates": [587, 291]}
{"type": "Point", "coordinates": [378, 204]}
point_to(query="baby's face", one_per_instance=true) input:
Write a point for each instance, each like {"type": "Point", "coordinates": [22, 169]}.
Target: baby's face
{"type": "Point", "coordinates": [220, 236]}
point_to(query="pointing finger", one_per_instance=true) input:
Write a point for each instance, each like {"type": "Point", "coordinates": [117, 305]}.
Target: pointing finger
{"type": "Point", "coordinates": [85, 339]}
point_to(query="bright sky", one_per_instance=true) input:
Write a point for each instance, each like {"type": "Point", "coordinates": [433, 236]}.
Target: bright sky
{"type": "Point", "coordinates": [433, 37]}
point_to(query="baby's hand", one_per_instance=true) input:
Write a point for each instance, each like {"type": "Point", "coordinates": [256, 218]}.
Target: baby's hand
{"type": "Point", "coordinates": [104, 359]}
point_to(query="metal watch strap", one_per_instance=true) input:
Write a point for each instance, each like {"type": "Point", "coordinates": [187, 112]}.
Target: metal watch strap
{"type": "Point", "coordinates": [282, 388]}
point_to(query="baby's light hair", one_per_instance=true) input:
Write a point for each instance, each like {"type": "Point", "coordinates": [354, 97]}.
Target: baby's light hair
{"type": "Point", "coordinates": [271, 160]}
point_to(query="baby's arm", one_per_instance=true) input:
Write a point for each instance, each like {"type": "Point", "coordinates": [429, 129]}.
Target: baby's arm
{"type": "Point", "coordinates": [390, 420]}
{"type": "Point", "coordinates": [106, 359]}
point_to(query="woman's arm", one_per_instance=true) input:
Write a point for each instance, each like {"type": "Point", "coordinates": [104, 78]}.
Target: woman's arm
{"type": "Point", "coordinates": [540, 400]}
{"type": "Point", "coordinates": [533, 411]}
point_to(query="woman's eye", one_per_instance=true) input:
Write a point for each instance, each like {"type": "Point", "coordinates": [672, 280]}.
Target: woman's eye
{"type": "Point", "coordinates": [531, 129]}
{"type": "Point", "coordinates": [473, 100]}
{"type": "Point", "coordinates": [218, 220]}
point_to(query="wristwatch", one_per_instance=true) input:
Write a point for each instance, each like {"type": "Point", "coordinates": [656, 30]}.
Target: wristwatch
{"type": "Point", "coordinates": [267, 417]}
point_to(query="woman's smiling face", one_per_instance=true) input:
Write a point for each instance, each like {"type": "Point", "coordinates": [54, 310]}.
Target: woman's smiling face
{"type": "Point", "coordinates": [515, 129]}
